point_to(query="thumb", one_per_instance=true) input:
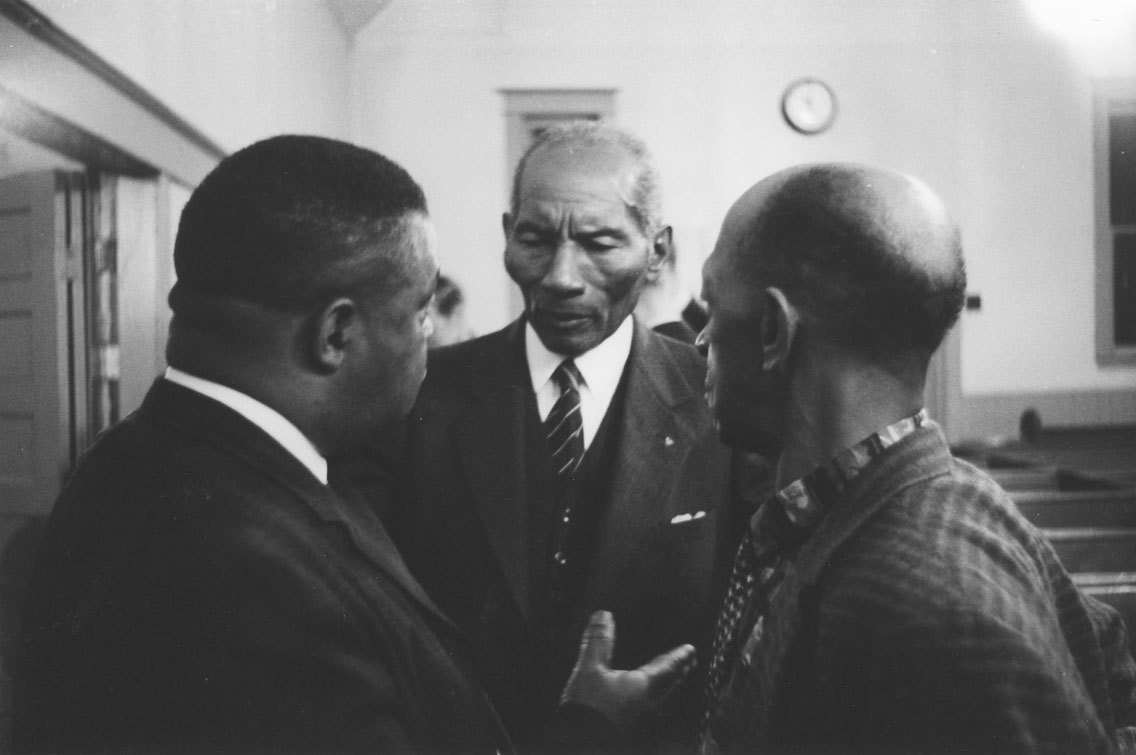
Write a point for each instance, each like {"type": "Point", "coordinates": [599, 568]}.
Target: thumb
{"type": "Point", "coordinates": [598, 641]}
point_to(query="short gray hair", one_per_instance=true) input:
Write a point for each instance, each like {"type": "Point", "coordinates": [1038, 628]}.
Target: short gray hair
{"type": "Point", "coordinates": [647, 204]}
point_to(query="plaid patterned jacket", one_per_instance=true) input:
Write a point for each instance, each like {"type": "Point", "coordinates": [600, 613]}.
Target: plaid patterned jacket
{"type": "Point", "coordinates": [926, 615]}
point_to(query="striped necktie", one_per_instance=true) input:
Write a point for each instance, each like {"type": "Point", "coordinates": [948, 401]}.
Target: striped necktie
{"type": "Point", "coordinates": [563, 428]}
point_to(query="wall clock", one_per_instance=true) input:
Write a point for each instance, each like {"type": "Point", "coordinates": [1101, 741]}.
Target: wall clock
{"type": "Point", "coordinates": [809, 106]}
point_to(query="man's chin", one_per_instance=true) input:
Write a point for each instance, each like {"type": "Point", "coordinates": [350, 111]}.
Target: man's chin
{"type": "Point", "coordinates": [568, 344]}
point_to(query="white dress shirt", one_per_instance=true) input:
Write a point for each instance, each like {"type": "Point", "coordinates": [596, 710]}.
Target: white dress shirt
{"type": "Point", "coordinates": [264, 417]}
{"type": "Point", "coordinates": [601, 369]}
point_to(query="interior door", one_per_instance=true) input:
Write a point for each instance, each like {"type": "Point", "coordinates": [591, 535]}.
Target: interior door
{"type": "Point", "coordinates": [40, 281]}
{"type": "Point", "coordinates": [42, 369]}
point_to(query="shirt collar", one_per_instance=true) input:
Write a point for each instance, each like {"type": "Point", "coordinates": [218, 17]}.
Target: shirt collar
{"type": "Point", "coordinates": [261, 415]}
{"type": "Point", "coordinates": [601, 367]}
{"type": "Point", "coordinates": [801, 504]}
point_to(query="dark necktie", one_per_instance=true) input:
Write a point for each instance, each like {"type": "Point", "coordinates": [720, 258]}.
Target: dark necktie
{"type": "Point", "coordinates": [563, 428]}
{"type": "Point", "coordinates": [725, 635]}
{"type": "Point", "coordinates": [758, 569]}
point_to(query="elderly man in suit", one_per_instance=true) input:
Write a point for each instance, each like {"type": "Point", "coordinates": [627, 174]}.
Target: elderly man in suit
{"type": "Point", "coordinates": [568, 463]}
{"type": "Point", "coordinates": [201, 587]}
{"type": "Point", "coordinates": [888, 597]}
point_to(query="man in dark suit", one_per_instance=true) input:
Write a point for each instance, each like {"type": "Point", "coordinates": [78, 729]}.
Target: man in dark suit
{"type": "Point", "coordinates": [201, 588]}
{"type": "Point", "coordinates": [888, 597]}
{"type": "Point", "coordinates": [568, 463]}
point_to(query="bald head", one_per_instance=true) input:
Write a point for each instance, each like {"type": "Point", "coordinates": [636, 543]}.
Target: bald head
{"type": "Point", "coordinates": [869, 256]}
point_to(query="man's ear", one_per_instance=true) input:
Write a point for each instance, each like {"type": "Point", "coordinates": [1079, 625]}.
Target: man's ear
{"type": "Point", "coordinates": [778, 328]}
{"type": "Point", "coordinates": [336, 326]}
{"type": "Point", "coordinates": [662, 247]}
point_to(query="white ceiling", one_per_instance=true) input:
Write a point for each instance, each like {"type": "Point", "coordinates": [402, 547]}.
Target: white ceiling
{"type": "Point", "coordinates": [353, 15]}
{"type": "Point", "coordinates": [18, 155]}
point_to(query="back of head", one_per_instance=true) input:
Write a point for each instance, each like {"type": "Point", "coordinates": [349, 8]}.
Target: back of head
{"type": "Point", "coordinates": [646, 200]}
{"type": "Point", "coordinates": [870, 256]}
{"type": "Point", "coordinates": [281, 224]}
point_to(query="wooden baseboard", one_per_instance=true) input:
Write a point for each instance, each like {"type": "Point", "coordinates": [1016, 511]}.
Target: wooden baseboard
{"type": "Point", "coordinates": [998, 415]}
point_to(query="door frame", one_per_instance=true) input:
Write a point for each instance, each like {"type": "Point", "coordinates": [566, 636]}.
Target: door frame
{"type": "Point", "coordinates": [526, 108]}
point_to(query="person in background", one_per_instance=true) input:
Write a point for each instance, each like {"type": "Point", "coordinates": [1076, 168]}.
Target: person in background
{"type": "Point", "coordinates": [448, 314]}
{"type": "Point", "coordinates": [889, 598]}
{"type": "Point", "coordinates": [662, 305]}
{"type": "Point", "coordinates": [203, 586]}
{"type": "Point", "coordinates": [694, 315]}
{"type": "Point", "coordinates": [568, 464]}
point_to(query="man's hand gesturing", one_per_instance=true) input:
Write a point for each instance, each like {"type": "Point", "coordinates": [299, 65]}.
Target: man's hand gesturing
{"type": "Point", "coordinates": [624, 698]}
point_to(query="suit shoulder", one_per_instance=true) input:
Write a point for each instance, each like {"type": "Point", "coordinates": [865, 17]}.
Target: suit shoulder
{"type": "Point", "coordinates": [452, 362]}
{"type": "Point", "coordinates": [685, 356]}
{"type": "Point", "coordinates": [455, 372]}
{"type": "Point", "coordinates": [121, 452]}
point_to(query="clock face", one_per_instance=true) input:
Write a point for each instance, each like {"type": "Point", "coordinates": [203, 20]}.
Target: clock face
{"type": "Point", "coordinates": [809, 106]}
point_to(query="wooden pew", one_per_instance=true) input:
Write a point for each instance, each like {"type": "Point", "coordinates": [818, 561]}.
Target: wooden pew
{"type": "Point", "coordinates": [1079, 488]}
{"type": "Point", "coordinates": [1095, 549]}
{"type": "Point", "coordinates": [1094, 534]}
{"type": "Point", "coordinates": [1085, 508]}
{"type": "Point", "coordinates": [1117, 589]}
{"type": "Point", "coordinates": [1091, 530]}
{"type": "Point", "coordinates": [1103, 456]}
{"type": "Point", "coordinates": [1025, 478]}
{"type": "Point", "coordinates": [1103, 465]}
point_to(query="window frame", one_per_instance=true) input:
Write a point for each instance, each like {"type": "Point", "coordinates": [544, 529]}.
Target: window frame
{"type": "Point", "coordinates": [1110, 96]}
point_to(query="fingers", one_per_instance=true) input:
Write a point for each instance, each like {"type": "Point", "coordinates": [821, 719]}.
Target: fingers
{"type": "Point", "coordinates": [665, 671]}
{"type": "Point", "coordinates": [598, 641]}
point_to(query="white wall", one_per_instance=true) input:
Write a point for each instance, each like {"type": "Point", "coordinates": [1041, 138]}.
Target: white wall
{"type": "Point", "coordinates": [971, 96]}
{"type": "Point", "coordinates": [1025, 163]}
{"type": "Point", "coordinates": [237, 70]}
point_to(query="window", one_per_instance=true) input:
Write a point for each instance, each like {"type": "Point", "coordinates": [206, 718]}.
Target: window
{"type": "Point", "coordinates": [1114, 112]}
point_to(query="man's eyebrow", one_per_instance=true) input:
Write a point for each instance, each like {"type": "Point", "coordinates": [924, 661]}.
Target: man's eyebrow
{"type": "Point", "coordinates": [593, 233]}
{"type": "Point", "coordinates": [530, 224]}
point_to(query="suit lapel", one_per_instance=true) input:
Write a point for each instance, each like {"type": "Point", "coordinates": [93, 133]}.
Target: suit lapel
{"type": "Point", "coordinates": [654, 440]}
{"type": "Point", "coordinates": [229, 431]}
{"type": "Point", "coordinates": [368, 535]}
{"type": "Point", "coordinates": [490, 442]}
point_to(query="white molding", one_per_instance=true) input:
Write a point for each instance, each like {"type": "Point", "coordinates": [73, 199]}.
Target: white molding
{"type": "Point", "coordinates": [54, 73]}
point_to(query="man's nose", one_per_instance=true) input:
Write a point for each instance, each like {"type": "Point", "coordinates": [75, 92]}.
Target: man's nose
{"type": "Point", "coordinates": [563, 274]}
{"type": "Point", "coordinates": [702, 342]}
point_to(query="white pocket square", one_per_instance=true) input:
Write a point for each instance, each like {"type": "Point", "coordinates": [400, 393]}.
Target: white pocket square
{"type": "Point", "coordinates": [679, 519]}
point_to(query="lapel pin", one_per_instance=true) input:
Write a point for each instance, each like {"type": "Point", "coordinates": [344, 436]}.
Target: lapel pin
{"type": "Point", "coordinates": [668, 441]}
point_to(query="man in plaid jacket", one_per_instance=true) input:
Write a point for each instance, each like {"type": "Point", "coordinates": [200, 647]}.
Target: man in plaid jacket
{"type": "Point", "coordinates": [888, 598]}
